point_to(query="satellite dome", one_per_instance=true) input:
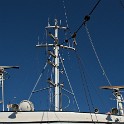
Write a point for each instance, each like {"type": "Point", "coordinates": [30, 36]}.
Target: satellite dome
{"type": "Point", "coordinates": [26, 105]}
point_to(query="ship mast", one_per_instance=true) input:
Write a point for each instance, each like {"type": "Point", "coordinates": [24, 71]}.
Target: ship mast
{"type": "Point", "coordinates": [55, 54]}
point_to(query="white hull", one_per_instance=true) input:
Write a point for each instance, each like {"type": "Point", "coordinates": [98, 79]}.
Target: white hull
{"type": "Point", "coordinates": [58, 117]}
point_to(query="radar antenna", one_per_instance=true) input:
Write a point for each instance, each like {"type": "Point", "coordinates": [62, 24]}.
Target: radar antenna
{"type": "Point", "coordinates": [118, 96]}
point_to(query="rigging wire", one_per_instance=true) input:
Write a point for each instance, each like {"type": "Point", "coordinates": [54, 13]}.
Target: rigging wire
{"type": "Point", "coordinates": [93, 47]}
{"type": "Point", "coordinates": [65, 13]}
{"type": "Point", "coordinates": [84, 76]}
{"type": "Point", "coordinates": [84, 81]}
{"type": "Point", "coordinates": [69, 83]}
{"type": "Point", "coordinates": [38, 80]}
{"type": "Point", "coordinates": [46, 43]}
{"type": "Point", "coordinates": [82, 65]}
{"type": "Point", "coordinates": [86, 18]}
{"type": "Point", "coordinates": [66, 17]}
{"type": "Point", "coordinates": [94, 7]}
{"type": "Point", "coordinates": [50, 91]}
{"type": "Point", "coordinates": [122, 4]}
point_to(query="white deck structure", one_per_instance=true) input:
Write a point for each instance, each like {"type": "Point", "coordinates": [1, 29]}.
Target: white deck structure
{"type": "Point", "coordinates": [58, 117]}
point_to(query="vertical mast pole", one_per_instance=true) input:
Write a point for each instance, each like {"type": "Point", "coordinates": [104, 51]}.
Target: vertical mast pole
{"type": "Point", "coordinates": [2, 86]}
{"type": "Point", "coordinates": [56, 50]}
{"type": "Point", "coordinates": [119, 100]}
{"type": "Point", "coordinates": [119, 104]}
{"type": "Point", "coordinates": [2, 81]}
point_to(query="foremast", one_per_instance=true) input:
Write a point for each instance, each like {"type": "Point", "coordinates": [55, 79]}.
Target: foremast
{"type": "Point", "coordinates": [56, 46]}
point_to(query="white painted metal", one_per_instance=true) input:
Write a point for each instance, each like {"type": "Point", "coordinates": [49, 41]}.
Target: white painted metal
{"type": "Point", "coordinates": [118, 96]}
{"type": "Point", "coordinates": [56, 46]}
{"type": "Point", "coordinates": [56, 50]}
{"type": "Point", "coordinates": [26, 105]}
{"type": "Point", "coordinates": [2, 68]}
{"type": "Point", "coordinates": [58, 117]}
{"type": "Point", "coordinates": [2, 86]}
{"type": "Point", "coordinates": [52, 45]}
{"type": "Point", "coordinates": [119, 103]}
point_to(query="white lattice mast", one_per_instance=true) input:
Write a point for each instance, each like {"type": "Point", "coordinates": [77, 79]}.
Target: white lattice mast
{"type": "Point", "coordinates": [56, 46]}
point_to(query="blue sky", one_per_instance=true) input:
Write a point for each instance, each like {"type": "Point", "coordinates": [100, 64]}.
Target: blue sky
{"type": "Point", "coordinates": [22, 21]}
